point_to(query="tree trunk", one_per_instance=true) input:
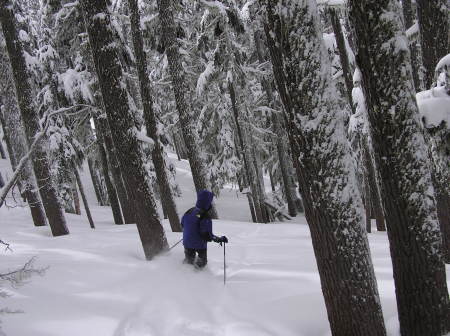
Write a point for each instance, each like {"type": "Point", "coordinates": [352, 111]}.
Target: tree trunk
{"type": "Point", "coordinates": [15, 142]}
{"type": "Point", "coordinates": [112, 194]}
{"type": "Point", "coordinates": [326, 177]}
{"type": "Point", "coordinates": [101, 125]}
{"type": "Point", "coordinates": [277, 124]}
{"type": "Point", "coordinates": [95, 181]}
{"type": "Point", "coordinates": [83, 196]}
{"type": "Point", "coordinates": [250, 171]}
{"type": "Point", "coordinates": [76, 199]}
{"type": "Point", "coordinates": [115, 99]}
{"type": "Point", "coordinates": [167, 200]}
{"type": "Point", "coordinates": [409, 16]}
{"type": "Point", "coordinates": [343, 56]}
{"type": "Point", "coordinates": [438, 140]}
{"type": "Point", "coordinates": [2, 150]}
{"type": "Point", "coordinates": [377, 208]}
{"type": "Point", "coordinates": [180, 89]}
{"type": "Point", "coordinates": [104, 134]}
{"type": "Point", "coordinates": [434, 30]}
{"type": "Point", "coordinates": [402, 162]}
{"type": "Point", "coordinates": [53, 209]}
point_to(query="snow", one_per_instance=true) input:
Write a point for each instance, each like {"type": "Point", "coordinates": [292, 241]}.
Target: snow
{"type": "Point", "coordinates": [99, 284]}
{"type": "Point", "coordinates": [434, 107]}
{"type": "Point", "coordinates": [413, 30]}
{"type": "Point", "coordinates": [445, 61]}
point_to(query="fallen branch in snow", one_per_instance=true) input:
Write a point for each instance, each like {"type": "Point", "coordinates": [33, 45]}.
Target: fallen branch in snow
{"type": "Point", "coordinates": [18, 277]}
{"type": "Point", "coordinates": [4, 191]}
{"type": "Point", "coordinates": [6, 244]}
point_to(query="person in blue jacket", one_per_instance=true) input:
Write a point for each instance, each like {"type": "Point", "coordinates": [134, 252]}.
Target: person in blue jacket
{"type": "Point", "coordinates": [197, 230]}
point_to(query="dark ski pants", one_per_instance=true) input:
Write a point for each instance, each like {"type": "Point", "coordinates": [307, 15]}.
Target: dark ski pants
{"type": "Point", "coordinates": [202, 258]}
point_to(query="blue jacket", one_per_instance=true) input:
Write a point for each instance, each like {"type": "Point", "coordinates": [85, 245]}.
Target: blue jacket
{"type": "Point", "coordinates": [197, 225]}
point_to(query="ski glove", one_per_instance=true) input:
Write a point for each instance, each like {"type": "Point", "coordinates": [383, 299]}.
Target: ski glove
{"type": "Point", "coordinates": [220, 240]}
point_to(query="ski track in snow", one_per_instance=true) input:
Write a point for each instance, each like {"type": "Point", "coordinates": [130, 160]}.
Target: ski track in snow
{"type": "Point", "coordinates": [98, 283]}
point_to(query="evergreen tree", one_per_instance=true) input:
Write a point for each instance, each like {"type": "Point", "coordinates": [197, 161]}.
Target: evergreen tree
{"type": "Point", "coordinates": [433, 17]}
{"type": "Point", "coordinates": [180, 89]}
{"type": "Point", "coordinates": [115, 99]}
{"type": "Point", "coordinates": [15, 139]}
{"type": "Point", "coordinates": [403, 166]}
{"type": "Point", "coordinates": [30, 120]}
{"type": "Point", "coordinates": [167, 200]}
{"type": "Point", "coordinates": [333, 206]}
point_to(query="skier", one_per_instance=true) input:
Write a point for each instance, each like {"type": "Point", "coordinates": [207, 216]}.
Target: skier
{"type": "Point", "coordinates": [197, 230]}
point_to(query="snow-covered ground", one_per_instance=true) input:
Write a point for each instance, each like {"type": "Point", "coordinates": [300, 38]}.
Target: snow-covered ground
{"type": "Point", "coordinates": [98, 283]}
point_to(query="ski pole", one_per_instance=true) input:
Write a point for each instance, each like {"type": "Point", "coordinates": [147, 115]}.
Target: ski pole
{"type": "Point", "coordinates": [176, 244]}
{"type": "Point", "coordinates": [224, 266]}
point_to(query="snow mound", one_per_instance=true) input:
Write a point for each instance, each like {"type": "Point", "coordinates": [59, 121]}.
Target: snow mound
{"type": "Point", "coordinates": [434, 107]}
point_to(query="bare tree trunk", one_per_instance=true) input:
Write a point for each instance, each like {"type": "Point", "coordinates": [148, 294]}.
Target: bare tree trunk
{"type": "Point", "coordinates": [377, 208]}
{"type": "Point", "coordinates": [180, 88]}
{"type": "Point", "coordinates": [343, 56]}
{"type": "Point", "coordinates": [249, 167]}
{"type": "Point", "coordinates": [96, 181]}
{"type": "Point", "coordinates": [16, 144]}
{"type": "Point", "coordinates": [123, 129]}
{"type": "Point", "coordinates": [112, 194]}
{"type": "Point", "coordinates": [54, 212]}
{"type": "Point", "coordinates": [76, 199]}
{"type": "Point", "coordinates": [2, 151]}
{"type": "Point", "coordinates": [434, 30]}
{"type": "Point", "coordinates": [280, 139]}
{"type": "Point", "coordinates": [403, 165]}
{"type": "Point", "coordinates": [167, 200]}
{"type": "Point", "coordinates": [102, 127]}
{"type": "Point", "coordinates": [83, 196]}
{"type": "Point", "coordinates": [326, 177]}
{"type": "Point", "coordinates": [409, 16]}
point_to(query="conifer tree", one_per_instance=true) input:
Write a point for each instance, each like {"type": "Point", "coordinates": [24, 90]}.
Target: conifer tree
{"type": "Point", "coordinates": [115, 99]}
{"type": "Point", "coordinates": [403, 166]}
{"type": "Point", "coordinates": [41, 165]}
{"type": "Point", "coordinates": [333, 206]}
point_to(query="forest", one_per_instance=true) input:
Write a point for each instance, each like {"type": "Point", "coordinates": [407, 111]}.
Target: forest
{"type": "Point", "coordinates": [320, 127]}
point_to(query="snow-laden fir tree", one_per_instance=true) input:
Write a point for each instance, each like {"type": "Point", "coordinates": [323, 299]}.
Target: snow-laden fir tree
{"type": "Point", "coordinates": [123, 128]}
{"type": "Point", "coordinates": [403, 166]}
{"type": "Point", "coordinates": [333, 206]}
{"type": "Point", "coordinates": [167, 198]}
{"type": "Point", "coordinates": [181, 91]}
{"type": "Point", "coordinates": [30, 119]}
{"type": "Point", "coordinates": [15, 138]}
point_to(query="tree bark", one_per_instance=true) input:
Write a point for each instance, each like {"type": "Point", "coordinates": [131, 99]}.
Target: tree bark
{"type": "Point", "coordinates": [434, 30]}
{"type": "Point", "coordinates": [409, 16]}
{"type": "Point", "coordinates": [83, 197]}
{"type": "Point", "coordinates": [96, 181]}
{"type": "Point", "coordinates": [180, 89]}
{"type": "Point", "coordinates": [112, 194]}
{"type": "Point", "coordinates": [53, 209]}
{"type": "Point", "coordinates": [115, 99]}
{"type": "Point", "coordinates": [250, 172]}
{"type": "Point", "coordinates": [76, 199]}
{"type": "Point", "coordinates": [167, 200]}
{"type": "Point", "coordinates": [15, 142]}
{"type": "Point", "coordinates": [277, 125]}
{"type": "Point", "coordinates": [377, 208]}
{"type": "Point", "coordinates": [343, 56]}
{"type": "Point", "coordinates": [2, 150]}
{"type": "Point", "coordinates": [402, 162]}
{"type": "Point", "coordinates": [326, 177]}
{"type": "Point", "coordinates": [102, 127]}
